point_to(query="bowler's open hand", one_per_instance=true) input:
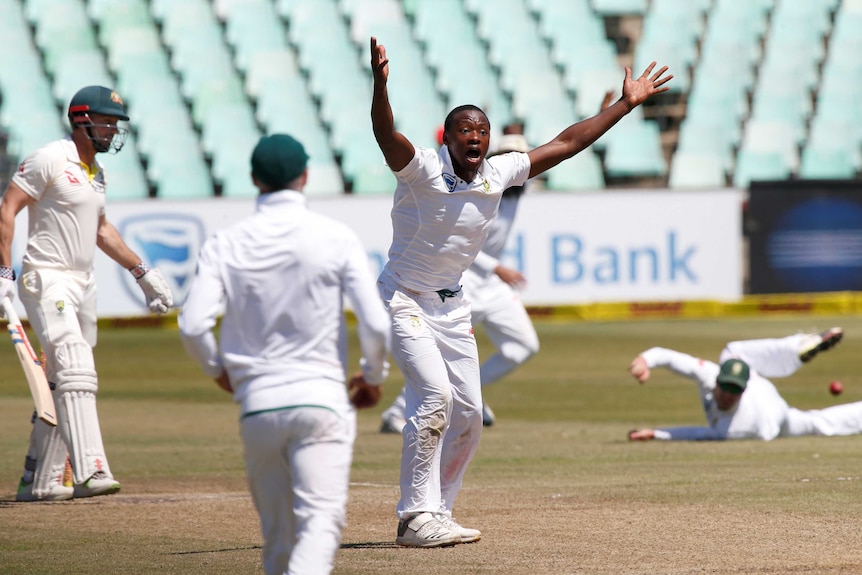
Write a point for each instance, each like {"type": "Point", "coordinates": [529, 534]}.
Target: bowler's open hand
{"type": "Point", "coordinates": [635, 92]}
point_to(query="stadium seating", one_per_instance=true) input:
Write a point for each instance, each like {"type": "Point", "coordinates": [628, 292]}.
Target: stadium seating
{"type": "Point", "coordinates": [204, 78]}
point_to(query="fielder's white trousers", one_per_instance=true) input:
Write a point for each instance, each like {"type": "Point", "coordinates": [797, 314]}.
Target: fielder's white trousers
{"type": "Point", "coordinates": [434, 346]}
{"type": "Point", "coordinates": [779, 357]}
{"type": "Point", "coordinates": [497, 307]}
{"type": "Point", "coordinates": [298, 467]}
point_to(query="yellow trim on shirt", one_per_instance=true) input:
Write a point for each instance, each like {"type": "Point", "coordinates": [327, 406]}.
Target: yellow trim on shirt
{"type": "Point", "coordinates": [91, 171]}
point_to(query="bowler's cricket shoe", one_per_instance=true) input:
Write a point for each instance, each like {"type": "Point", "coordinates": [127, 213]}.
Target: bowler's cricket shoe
{"type": "Point", "coordinates": [488, 417]}
{"type": "Point", "coordinates": [814, 343]}
{"type": "Point", "coordinates": [467, 535]}
{"type": "Point", "coordinates": [56, 493]}
{"type": "Point", "coordinates": [99, 483]}
{"type": "Point", "coordinates": [425, 530]}
{"type": "Point", "coordinates": [392, 422]}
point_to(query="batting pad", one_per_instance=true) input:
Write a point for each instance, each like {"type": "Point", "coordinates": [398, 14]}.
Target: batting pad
{"type": "Point", "coordinates": [50, 453]}
{"type": "Point", "coordinates": [75, 395]}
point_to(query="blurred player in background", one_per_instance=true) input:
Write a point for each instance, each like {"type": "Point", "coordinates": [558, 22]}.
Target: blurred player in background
{"type": "Point", "coordinates": [444, 204]}
{"type": "Point", "coordinates": [279, 277]}
{"type": "Point", "coordinates": [492, 290]}
{"type": "Point", "coordinates": [739, 401]}
{"type": "Point", "coordinates": [63, 186]}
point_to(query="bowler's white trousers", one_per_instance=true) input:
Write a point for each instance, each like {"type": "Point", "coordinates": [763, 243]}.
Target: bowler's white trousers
{"type": "Point", "coordinates": [298, 466]}
{"type": "Point", "coordinates": [779, 357]}
{"type": "Point", "coordinates": [434, 346]}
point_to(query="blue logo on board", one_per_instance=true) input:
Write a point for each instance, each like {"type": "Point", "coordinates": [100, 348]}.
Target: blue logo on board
{"type": "Point", "coordinates": [170, 242]}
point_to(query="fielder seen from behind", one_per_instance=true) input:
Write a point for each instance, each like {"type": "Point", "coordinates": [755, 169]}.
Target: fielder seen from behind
{"type": "Point", "coordinates": [738, 399]}
{"type": "Point", "coordinates": [278, 279]}
{"type": "Point", "coordinates": [63, 187]}
{"type": "Point", "coordinates": [443, 206]}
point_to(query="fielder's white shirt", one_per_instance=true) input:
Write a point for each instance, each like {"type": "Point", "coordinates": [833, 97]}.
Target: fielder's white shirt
{"type": "Point", "coordinates": [440, 222]}
{"type": "Point", "coordinates": [759, 414]}
{"type": "Point", "coordinates": [279, 277]}
{"type": "Point", "coordinates": [498, 235]}
{"type": "Point", "coordinates": [64, 220]}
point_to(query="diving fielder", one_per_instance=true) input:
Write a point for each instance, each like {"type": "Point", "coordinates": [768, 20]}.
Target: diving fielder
{"type": "Point", "coordinates": [63, 187]}
{"type": "Point", "coordinates": [738, 399]}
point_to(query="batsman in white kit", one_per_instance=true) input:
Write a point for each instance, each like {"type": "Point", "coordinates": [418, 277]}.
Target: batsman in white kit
{"type": "Point", "coordinates": [278, 280]}
{"type": "Point", "coordinates": [63, 187]}
{"type": "Point", "coordinates": [738, 399]}
{"type": "Point", "coordinates": [444, 203]}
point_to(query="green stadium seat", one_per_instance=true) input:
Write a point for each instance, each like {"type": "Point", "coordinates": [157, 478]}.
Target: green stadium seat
{"type": "Point", "coordinates": [76, 70]}
{"type": "Point", "coordinates": [691, 170]}
{"type": "Point", "coordinates": [583, 172]}
{"type": "Point", "coordinates": [125, 175]}
{"type": "Point", "coordinates": [620, 7]}
{"type": "Point", "coordinates": [772, 136]}
{"type": "Point", "coordinates": [374, 179]}
{"type": "Point", "coordinates": [823, 164]}
{"type": "Point", "coordinates": [324, 180]}
{"type": "Point", "coordinates": [634, 150]}
{"type": "Point", "coordinates": [760, 166]}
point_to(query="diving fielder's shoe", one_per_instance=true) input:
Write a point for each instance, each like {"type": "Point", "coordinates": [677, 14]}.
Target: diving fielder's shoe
{"type": "Point", "coordinates": [392, 422]}
{"type": "Point", "coordinates": [488, 417]}
{"type": "Point", "coordinates": [467, 535]}
{"type": "Point", "coordinates": [425, 530]}
{"type": "Point", "coordinates": [99, 483]}
{"type": "Point", "coordinates": [814, 343]}
{"type": "Point", "coordinates": [56, 493]}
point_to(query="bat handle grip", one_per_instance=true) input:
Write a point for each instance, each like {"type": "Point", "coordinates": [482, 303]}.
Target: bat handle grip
{"type": "Point", "coordinates": [9, 310]}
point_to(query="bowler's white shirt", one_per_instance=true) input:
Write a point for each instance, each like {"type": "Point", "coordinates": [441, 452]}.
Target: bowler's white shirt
{"type": "Point", "coordinates": [64, 220]}
{"type": "Point", "coordinates": [439, 221]}
{"type": "Point", "coordinates": [759, 414]}
{"type": "Point", "coordinates": [280, 276]}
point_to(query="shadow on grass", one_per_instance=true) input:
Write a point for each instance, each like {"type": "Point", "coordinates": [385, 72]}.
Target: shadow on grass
{"type": "Point", "coordinates": [371, 545]}
{"type": "Point", "coordinates": [225, 550]}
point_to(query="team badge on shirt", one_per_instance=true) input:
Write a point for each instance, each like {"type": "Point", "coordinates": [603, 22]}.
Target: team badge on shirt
{"type": "Point", "coordinates": [61, 306]}
{"type": "Point", "coordinates": [451, 181]}
{"type": "Point", "coordinates": [486, 185]}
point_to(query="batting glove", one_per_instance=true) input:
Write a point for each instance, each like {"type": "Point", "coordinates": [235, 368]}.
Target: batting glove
{"type": "Point", "coordinates": [7, 282]}
{"type": "Point", "coordinates": [156, 289]}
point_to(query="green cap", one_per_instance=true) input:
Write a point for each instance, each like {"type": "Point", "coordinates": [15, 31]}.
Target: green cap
{"type": "Point", "coordinates": [98, 100]}
{"type": "Point", "coordinates": [733, 372]}
{"type": "Point", "coordinates": [277, 160]}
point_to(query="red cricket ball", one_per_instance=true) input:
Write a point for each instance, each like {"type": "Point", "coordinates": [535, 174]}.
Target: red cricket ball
{"type": "Point", "coordinates": [836, 387]}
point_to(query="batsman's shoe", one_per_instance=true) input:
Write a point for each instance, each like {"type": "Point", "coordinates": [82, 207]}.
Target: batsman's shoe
{"type": "Point", "coordinates": [488, 417]}
{"type": "Point", "coordinates": [425, 530]}
{"type": "Point", "coordinates": [56, 493]}
{"type": "Point", "coordinates": [814, 343]}
{"type": "Point", "coordinates": [392, 422]}
{"type": "Point", "coordinates": [467, 535]}
{"type": "Point", "coordinates": [98, 484]}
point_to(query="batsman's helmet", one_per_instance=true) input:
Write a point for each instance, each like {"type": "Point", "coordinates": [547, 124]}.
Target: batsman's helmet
{"type": "Point", "coordinates": [97, 100]}
{"type": "Point", "coordinates": [104, 101]}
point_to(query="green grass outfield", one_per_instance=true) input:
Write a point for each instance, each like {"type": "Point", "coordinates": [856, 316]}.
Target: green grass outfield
{"type": "Point", "coordinates": [555, 487]}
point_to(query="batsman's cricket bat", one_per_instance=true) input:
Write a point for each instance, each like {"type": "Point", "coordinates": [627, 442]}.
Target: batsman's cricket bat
{"type": "Point", "coordinates": [39, 388]}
